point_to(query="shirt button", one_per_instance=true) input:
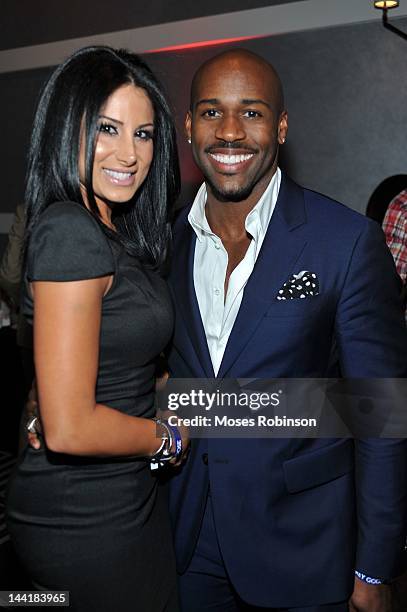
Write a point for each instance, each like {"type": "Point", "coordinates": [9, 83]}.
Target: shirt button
{"type": "Point", "coordinates": [217, 291]}
{"type": "Point", "coordinates": [205, 458]}
{"type": "Point", "coordinates": [217, 245]}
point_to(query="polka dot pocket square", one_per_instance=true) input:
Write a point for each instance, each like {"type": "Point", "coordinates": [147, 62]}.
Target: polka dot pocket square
{"type": "Point", "coordinates": [302, 285]}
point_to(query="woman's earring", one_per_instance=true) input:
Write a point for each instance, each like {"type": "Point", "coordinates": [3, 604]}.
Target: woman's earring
{"type": "Point", "coordinates": [189, 140]}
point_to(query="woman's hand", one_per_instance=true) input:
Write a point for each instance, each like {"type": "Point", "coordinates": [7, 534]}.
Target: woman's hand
{"type": "Point", "coordinates": [184, 433]}
{"type": "Point", "coordinates": [30, 427]}
{"type": "Point", "coordinates": [33, 423]}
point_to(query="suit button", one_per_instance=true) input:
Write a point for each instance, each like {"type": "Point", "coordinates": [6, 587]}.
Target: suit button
{"type": "Point", "coordinates": [205, 458]}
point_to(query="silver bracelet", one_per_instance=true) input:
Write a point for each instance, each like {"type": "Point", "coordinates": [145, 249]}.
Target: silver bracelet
{"type": "Point", "coordinates": [167, 452]}
{"type": "Point", "coordinates": [159, 450]}
{"type": "Point", "coordinates": [163, 453]}
{"type": "Point", "coordinates": [32, 425]}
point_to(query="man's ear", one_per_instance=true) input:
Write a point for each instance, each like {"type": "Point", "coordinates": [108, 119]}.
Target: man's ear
{"type": "Point", "coordinates": [188, 121]}
{"type": "Point", "coordinates": [282, 127]}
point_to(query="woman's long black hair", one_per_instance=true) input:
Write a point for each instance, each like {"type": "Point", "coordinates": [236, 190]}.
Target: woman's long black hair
{"type": "Point", "coordinates": [74, 95]}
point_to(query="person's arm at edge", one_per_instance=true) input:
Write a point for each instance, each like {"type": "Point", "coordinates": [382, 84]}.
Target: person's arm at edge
{"type": "Point", "coordinates": [10, 266]}
{"type": "Point", "coordinates": [369, 317]}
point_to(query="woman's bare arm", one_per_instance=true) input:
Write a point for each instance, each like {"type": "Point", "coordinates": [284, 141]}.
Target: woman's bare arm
{"type": "Point", "coordinates": [67, 320]}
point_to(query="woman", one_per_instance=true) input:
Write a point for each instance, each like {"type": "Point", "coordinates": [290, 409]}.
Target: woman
{"type": "Point", "coordinates": [84, 512]}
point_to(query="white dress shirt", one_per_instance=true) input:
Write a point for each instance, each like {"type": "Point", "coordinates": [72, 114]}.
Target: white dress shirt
{"type": "Point", "coordinates": [219, 312]}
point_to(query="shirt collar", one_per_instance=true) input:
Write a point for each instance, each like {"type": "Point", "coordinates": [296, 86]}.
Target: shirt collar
{"type": "Point", "coordinates": [257, 220]}
{"type": "Point", "coordinates": [197, 217]}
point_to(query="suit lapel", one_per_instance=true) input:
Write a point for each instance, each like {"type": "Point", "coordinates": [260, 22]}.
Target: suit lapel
{"type": "Point", "coordinates": [281, 248]}
{"type": "Point", "coordinates": [182, 281]}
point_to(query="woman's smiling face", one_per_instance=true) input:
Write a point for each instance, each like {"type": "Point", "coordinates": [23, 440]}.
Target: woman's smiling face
{"type": "Point", "coordinates": [124, 146]}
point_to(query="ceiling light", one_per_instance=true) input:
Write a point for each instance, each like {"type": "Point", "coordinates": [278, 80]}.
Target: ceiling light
{"type": "Point", "coordinates": [386, 4]}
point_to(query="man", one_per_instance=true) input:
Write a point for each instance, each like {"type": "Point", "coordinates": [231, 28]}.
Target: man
{"type": "Point", "coordinates": [271, 524]}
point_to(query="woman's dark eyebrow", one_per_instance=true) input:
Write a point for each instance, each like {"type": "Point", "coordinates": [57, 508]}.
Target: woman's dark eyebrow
{"type": "Point", "coordinates": [110, 119]}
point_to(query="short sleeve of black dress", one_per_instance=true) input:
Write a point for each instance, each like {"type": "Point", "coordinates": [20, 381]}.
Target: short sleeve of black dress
{"type": "Point", "coordinates": [67, 244]}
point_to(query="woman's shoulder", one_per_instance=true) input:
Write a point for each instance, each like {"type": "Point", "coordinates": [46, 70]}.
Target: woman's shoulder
{"type": "Point", "coordinates": [71, 219]}
{"type": "Point", "coordinates": [58, 212]}
{"type": "Point", "coordinates": [67, 243]}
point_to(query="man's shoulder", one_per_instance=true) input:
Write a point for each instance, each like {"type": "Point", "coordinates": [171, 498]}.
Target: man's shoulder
{"type": "Point", "coordinates": [325, 219]}
{"type": "Point", "coordinates": [335, 217]}
{"type": "Point", "coordinates": [323, 205]}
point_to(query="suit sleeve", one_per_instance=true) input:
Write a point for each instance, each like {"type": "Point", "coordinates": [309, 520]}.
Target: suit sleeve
{"type": "Point", "coordinates": [372, 342]}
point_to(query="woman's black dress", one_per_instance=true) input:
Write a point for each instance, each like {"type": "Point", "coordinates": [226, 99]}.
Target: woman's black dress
{"type": "Point", "coordinates": [99, 527]}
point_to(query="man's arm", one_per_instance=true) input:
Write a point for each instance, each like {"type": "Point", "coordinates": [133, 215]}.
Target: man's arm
{"type": "Point", "coordinates": [372, 341]}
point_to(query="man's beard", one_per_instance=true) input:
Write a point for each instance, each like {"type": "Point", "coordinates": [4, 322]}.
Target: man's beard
{"type": "Point", "coordinates": [230, 195]}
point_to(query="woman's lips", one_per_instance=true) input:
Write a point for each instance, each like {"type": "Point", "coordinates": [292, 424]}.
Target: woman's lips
{"type": "Point", "coordinates": [119, 177]}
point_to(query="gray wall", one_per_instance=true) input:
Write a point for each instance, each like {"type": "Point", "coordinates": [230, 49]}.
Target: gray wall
{"type": "Point", "coordinates": [346, 93]}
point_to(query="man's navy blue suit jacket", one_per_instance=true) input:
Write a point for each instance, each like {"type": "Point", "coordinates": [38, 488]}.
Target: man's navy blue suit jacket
{"type": "Point", "coordinates": [295, 517]}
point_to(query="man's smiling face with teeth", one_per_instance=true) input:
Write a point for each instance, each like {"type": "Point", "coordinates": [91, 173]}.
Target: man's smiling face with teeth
{"type": "Point", "coordinates": [236, 124]}
{"type": "Point", "coordinates": [231, 159]}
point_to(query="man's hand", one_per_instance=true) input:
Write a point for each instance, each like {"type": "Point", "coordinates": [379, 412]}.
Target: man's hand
{"type": "Point", "coordinates": [370, 598]}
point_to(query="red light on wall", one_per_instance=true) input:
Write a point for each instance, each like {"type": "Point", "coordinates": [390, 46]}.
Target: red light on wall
{"type": "Point", "coordinates": [203, 43]}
